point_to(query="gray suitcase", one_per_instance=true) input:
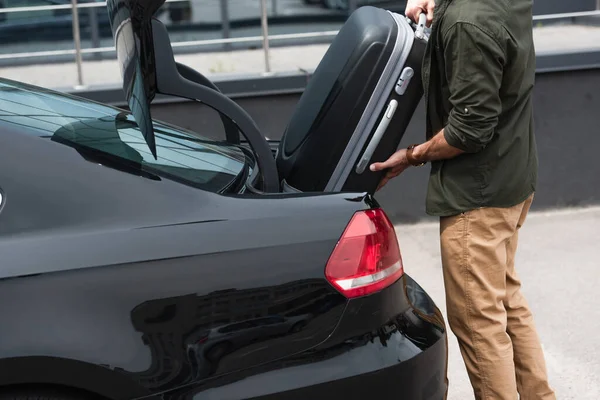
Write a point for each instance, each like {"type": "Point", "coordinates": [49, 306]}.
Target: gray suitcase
{"type": "Point", "coordinates": [357, 105]}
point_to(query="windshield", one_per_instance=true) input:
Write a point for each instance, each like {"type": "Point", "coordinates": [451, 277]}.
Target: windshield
{"type": "Point", "coordinates": [112, 138]}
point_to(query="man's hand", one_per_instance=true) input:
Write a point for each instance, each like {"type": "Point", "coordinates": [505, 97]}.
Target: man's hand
{"type": "Point", "coordinates": [395, 165]}
{"type": "Point", "coordinates": [414, 8]}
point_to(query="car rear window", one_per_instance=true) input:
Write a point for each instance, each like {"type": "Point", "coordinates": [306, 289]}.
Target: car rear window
{"type": "Point", "coordinates": [92, 128]}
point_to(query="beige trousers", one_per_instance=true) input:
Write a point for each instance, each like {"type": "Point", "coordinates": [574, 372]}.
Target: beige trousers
{"type": "Point", "coordinates": [486, 310]}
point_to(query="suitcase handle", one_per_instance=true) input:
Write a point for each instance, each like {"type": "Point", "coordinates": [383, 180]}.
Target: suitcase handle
{"type": "Point", "coordinates": [420, 31]}
{"type": "Point", "coordinates": [381, 128]}
{"type": "Point", "coordinates": [419, 27]}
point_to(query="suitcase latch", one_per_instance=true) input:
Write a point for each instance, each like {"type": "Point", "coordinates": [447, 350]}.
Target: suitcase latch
{"type": "Point", "coordinates": [404, 80]}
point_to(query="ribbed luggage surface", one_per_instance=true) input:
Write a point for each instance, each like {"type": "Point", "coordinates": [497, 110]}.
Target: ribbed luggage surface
{"type": "Point", "coordinates": [368, 79]}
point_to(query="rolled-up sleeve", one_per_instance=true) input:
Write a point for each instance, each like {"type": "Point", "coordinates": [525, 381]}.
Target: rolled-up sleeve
{"type": "Point", "coordinates": [474, 71]}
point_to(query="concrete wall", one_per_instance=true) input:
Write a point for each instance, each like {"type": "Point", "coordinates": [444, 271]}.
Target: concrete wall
{"type": "Point", "coordinates": [567, 124]}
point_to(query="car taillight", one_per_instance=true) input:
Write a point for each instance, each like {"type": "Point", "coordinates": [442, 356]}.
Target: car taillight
{"type": "Point", "coordinates": [367, 257]}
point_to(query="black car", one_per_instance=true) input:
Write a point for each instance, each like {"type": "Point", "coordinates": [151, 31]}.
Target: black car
{"type": "Point", "coordinates": [123, 276]}
{"type": "Point", "coordinates": [140, 260]}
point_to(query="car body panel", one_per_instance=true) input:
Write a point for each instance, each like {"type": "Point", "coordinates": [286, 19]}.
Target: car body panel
{"type": "Point", "coordinates": [130, 285]}
{"type": "Point", "coordinates": [141, 319]}
{"type": "Point", "coordinates": [400, 353]}
{"type": "Point", "coordinates": [92, 254]}
{"type": "Point", "coordinates": [134, 298]}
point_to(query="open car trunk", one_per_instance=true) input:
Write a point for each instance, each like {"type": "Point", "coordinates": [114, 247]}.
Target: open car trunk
{"type": "Point", "coordinates": [353, 112]}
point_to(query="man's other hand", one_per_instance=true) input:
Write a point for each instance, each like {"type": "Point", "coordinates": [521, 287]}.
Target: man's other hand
{"type": "Point", "coordinates": [414, 8]}
{"type": "Point", "coordinates": [394, 165]}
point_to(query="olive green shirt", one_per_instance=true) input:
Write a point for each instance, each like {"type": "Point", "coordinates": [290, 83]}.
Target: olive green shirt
{"type": "Point", "coordinates": [478, 75]}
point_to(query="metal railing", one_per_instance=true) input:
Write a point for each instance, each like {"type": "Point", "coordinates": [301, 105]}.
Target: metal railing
{"type": "Point", "coordinates": [265, 38]}
{"type": "Point", "coordinates": [77, 40]}
{"type": "Point", "coordinates": [97, 4]}
{"type": "Point", "coordinates": [265, 33]}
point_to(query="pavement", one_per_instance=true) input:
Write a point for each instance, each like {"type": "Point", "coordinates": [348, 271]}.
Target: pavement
{"type": "Point", "coordinates": [558, 264]}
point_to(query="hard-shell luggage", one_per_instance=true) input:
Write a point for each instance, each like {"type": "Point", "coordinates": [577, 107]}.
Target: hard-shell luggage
{"type": "Point", "coordinates": [357, 105]}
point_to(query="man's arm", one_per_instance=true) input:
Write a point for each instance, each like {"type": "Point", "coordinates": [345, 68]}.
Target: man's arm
{"type": "Point", "coordinates": [436, 148]}
{"type": "Point", "coordinates": [474, 67]}
{"type": "Point", "coordinates": [475, 62]}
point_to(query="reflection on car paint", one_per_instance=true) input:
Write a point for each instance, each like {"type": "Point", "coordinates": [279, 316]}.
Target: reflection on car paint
{"type": "Point", "coordinates": [406, 334]}
{"type": "Point", "coordinates": [190, 336]}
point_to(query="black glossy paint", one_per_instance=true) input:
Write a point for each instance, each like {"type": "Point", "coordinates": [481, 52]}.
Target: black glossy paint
{"type": "Point", "coordinates": [399, 352]}
{"type": "Point", "coordinates": [136, 286]}
{"type": "Point", "coordinates": [127, 286]}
